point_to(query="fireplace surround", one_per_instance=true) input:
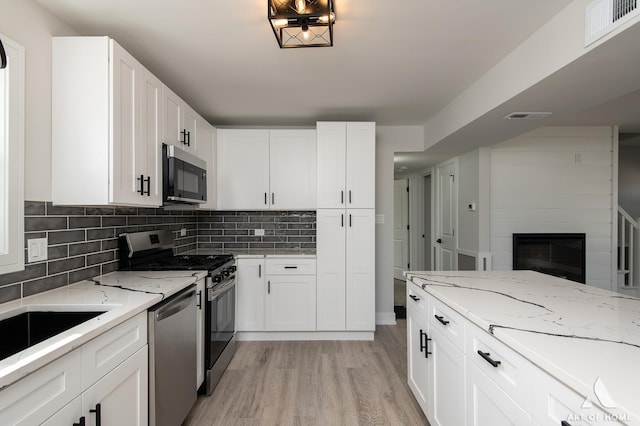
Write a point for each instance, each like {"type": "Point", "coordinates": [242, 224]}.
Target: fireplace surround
{"type": "Point", "coordinates": [560, 255]}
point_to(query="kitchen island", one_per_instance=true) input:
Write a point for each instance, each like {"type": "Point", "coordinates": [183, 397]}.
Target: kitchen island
{"type": "Point", "coordinates": [585, 338]}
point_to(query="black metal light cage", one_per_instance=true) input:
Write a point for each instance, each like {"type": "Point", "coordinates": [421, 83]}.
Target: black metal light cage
{"type": "Point", "coordinates": [289, 26]}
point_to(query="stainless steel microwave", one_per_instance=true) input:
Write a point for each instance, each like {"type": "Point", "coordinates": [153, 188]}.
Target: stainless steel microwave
{"type": "Point", "coordinates": [184, 176]}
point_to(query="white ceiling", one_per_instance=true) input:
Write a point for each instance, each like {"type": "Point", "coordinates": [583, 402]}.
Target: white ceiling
{"type": "Point", "coordinates": [394, 62]}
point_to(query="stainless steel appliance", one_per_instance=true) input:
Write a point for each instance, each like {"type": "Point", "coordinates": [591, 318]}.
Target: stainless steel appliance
{"type": "Point", "coordinates": [184, 176]}
{"type": "Point", "coordinates": [153, 250]}
{"type": "Point", "coordinates": [172, 358]}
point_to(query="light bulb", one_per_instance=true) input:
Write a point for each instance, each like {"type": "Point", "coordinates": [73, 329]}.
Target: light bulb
{"type": "Point", "coordinates": [325, 19]}
{"type": "Point", "coordinates": [301, 6]}
{"type": "Point", "coordinates": [305, 31]}
{"type": "Point", "coordinates": [280, 22]}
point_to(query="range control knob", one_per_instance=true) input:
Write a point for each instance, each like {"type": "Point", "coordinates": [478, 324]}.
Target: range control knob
{"type": "Point", "coordinates": [232, 268]}
{"type": "Point", "coordinates": [218, 278]}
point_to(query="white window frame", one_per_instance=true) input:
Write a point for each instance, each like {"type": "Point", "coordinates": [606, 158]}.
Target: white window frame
{"type": "Point", "coordinates": [12, 202]}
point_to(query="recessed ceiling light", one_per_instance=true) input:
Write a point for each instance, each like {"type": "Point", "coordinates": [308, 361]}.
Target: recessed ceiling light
{"type": "Point", "coordinates": [527, 115]}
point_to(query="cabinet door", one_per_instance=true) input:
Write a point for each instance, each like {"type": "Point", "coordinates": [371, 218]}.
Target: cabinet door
{"type": "Point", "coordinates": [68, 415]}
{"type": "Point", "coordinates": [361, 165]}
{"type": "Point", "coordinates": [190, 124]}
{"type": "Point", "coordinates": [149, 154]}
{"type": "Point", "coordinates": [122, 394]}
{"type": "Point", "coordinates": [126, 145]}
{"type": "Point", "coordinates": [200, 301]}
{"type": "Point", "coordinates": [292, 169]}
{"type": "Point", "coordinates": [331, 253]}
{"type": "Point", "coordinates": [291, 303]}
{"type": "Point", "coordinates": [487, 404]}
{"type": "Point", "coordinates": [360, 269]}
{"type": "Point", "coordinates": [172, 118]}
{"type": "Point", "coordinates": [243, 169]}
{"type": "Point", "coordinates": [446, 387]}
{"type": "Point", "coordinates": [207, 151]}
{"type": "Point", "coordinates": [331, 157]}
{"type": "Point", "coordinates": [250, 292]}
{"type": "Point", "coordinates": [418, 362]}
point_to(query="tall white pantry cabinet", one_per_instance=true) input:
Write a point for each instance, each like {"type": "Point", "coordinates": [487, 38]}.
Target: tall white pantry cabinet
{"type": "Point", "coordinates": [345, 239]}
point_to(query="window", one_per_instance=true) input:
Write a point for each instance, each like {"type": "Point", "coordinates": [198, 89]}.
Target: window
{"type": "Point", "coordinates": [11, 158]}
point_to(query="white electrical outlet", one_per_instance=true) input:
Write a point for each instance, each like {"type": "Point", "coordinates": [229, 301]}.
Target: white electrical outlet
{"type": "Point", "coordinates": [183, 232]}
{"type": "Point", "coordinates": [36, 250]}
{"type": "Point", "coordinates": [259, 232]}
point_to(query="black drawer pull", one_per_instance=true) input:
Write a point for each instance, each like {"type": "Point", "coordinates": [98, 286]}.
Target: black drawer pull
{"type": "Point", "coordinates": [290, 267]}
{"type": "Point", "coordinates": [441, 319]}
{"type": "Point", "coordinates": [487, 357]}
{"type": "Point", "coordinates": [416, 298]}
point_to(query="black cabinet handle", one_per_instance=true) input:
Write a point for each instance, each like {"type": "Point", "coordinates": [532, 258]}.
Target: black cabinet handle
{"type": "Point", "coordinates": [141, 190]}
{"type": "Point", "coordinates": [290, 267]}
{"type": "Point", "coordinates": [259, 271]}
{"type": "Point", "coordinates": [199, 304]}
{"type": "Point", "coordinates": [349, 196]}
{"type": "Point", "coordinates": [414, 297]}
{"type": "Point", "coordinates": [349, 220]}
{"type": "Point", "coordinates": [183, 139]}
{"type": "Point", "coordinates": [424, 343]}
{"type": "Point", "coordinates": [81, 422]}
{"type": "Point", "coordinates": [265, 199]}
{"type": "Point", "coordinates": [565, 423]}
{"type": "Point", "coordinates": [269, 287]}
{"type": "Point", "coordinates": [441, 319]}
{"type": "Point", "coordinates": [98, 411]}
{"type": "Point", "coordinates": [487, 357]}
{"type": "Point", "coordinates": [188, 138]}
{"type": "Point", "coordinates": [341, 197]}
{"type": "Point", "coordinates": [273, 198]}
{"type": "Point", "coordinates": [148, 180]}
{"type": "Point", "coordinates": [342, 220]}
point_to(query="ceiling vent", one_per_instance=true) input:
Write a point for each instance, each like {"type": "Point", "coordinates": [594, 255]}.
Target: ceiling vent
{"type": "Point", "coordinates": [603, 16]}
{"type": "Point", "coordinates": [527, 115]}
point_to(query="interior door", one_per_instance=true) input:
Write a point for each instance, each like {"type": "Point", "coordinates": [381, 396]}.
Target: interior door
{"type": "Point", "coordinates": [400, 228]}
{"type": "Point", "coordinates": [447, 216]}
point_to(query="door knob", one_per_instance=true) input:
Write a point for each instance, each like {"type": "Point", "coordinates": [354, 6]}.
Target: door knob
{"type": "Point", "coordinates": [439, 241]}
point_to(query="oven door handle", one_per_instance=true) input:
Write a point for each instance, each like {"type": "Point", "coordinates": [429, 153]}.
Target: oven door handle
{"type": "Point", "coordinates": [213, 293]}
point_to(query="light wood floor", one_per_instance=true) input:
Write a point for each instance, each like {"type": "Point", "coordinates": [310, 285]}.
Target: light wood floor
{"type": "Point", "coordinates": [315, 383]}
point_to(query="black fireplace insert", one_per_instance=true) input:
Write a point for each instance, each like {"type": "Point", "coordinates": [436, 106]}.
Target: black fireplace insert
{"type": "Point", "coordinates": [560, 255]}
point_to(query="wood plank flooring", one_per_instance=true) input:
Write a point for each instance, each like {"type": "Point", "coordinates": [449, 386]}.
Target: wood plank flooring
{"type": "Point", "coordinates": [315, 383]}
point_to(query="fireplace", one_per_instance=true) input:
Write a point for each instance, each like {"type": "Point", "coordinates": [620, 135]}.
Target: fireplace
{"type": "Point", "coordinates": [561, 255]}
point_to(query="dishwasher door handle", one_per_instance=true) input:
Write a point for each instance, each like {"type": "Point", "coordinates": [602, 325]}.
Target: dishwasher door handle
{"type": "Point", "coordinates": [176, 305]}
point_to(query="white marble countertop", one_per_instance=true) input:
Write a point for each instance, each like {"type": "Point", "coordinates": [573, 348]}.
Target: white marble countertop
{"type": "Point", "coordinates": [577, 333]}
{"type": "Point", "coordinates": [121, 294]}
{"type": "Point", "coordinates": [258, 253]}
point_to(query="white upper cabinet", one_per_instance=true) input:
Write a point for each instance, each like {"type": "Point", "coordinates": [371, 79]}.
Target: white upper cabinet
{"type": "Point", "coordinates": [346, 164]}
{"type": "Point", "coordinates": [266, 169]}
{"type": "Point", "coordinates": [243, 169]}
{"type": "Point", "coordinates": [179, 123]}
{"type": "Point", "coordinates": [207, 152]}
{"type": "Point", "coordinates": [105, 125]}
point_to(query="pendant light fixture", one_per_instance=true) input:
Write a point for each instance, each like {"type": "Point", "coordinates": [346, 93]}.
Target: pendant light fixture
{"type": "Point", "coordinates": [302, 23]}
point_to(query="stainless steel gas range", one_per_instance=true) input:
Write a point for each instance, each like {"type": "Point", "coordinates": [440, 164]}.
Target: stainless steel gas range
{"type": "Point", "coordinates": [153, 250]}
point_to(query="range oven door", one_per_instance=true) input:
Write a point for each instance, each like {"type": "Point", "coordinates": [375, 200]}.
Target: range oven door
{"type": "Point", "coordinates": [219, 330]}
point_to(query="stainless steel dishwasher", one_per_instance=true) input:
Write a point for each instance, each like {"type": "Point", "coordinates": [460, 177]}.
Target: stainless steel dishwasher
{"type": "Point", "coordinates": [172, 358]}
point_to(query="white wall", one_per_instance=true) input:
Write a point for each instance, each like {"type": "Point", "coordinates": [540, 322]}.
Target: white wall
{"type": "Point", "coordinates": [32, 26]}
{"type": "Point", "coordinates": [389, 139]}
{"type": "Point", "coordinates": [556, 180]}
{"type": "Point", "coordinates": [474, 187]}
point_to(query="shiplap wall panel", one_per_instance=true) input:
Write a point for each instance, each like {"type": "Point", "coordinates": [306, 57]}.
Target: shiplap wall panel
{"type": "Point", "coordinates": [555, 180]}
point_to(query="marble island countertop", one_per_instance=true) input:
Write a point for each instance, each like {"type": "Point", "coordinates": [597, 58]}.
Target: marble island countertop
{"type": "Point", "coordinates": [579, 334]}
{"type": "Point", "coordinates": [121, 294]}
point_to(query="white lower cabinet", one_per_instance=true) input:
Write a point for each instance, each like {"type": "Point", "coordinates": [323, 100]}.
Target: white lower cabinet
{"type": "Point", "coordinates": [250, 294]}
{"type": "Point", "coordinates": [110, 370]}
{"type": "Point", "coordinates": [462, 375]}
{"type": "Point", "coordinates": [488, 404]}
{"type": "Point", "coordinates": [276, 294]}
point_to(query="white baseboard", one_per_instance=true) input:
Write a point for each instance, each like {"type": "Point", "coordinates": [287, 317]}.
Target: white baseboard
{"type": "Point", "coordinates": [385, 318]}
{"type": "Point", "coordinates": [303, 335]}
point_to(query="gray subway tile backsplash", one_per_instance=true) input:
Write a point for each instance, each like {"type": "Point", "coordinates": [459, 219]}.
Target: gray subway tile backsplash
{"type": "Point", "coordinates": [83, 241]}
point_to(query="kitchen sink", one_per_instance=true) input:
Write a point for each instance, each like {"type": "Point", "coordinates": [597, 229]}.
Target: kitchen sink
{"type": "Point", "coordinates": [26, 329]}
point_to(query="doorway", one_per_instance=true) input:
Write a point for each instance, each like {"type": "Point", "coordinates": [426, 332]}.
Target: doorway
{"type": "Point", "coordinates": [400, 244]}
